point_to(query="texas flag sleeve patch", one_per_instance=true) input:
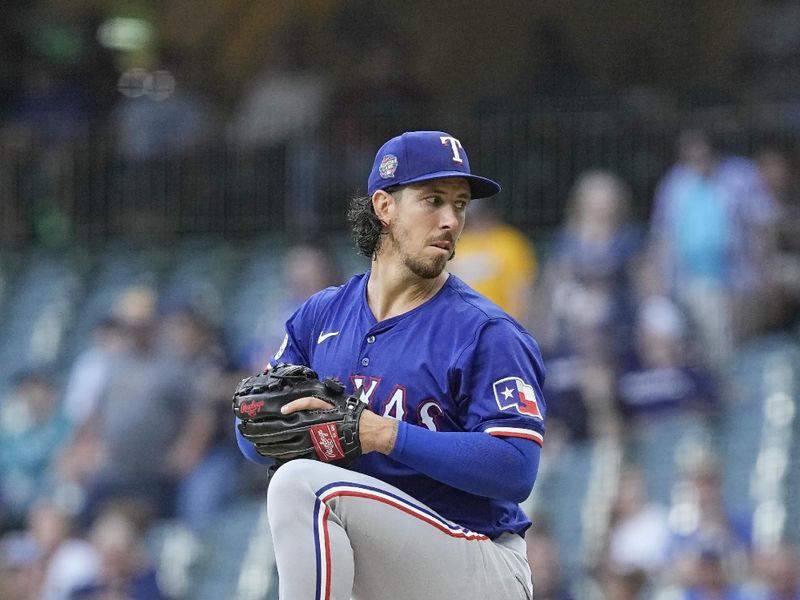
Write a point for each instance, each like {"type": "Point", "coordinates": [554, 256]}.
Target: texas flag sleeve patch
{"type": "Point", "coordinates": [512, 393]}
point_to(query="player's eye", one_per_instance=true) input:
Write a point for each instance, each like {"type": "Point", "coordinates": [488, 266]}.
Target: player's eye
{"type": "Point", "coordinates": [433, 200]}
{"type": "Point", "coordinates": [461, 204]}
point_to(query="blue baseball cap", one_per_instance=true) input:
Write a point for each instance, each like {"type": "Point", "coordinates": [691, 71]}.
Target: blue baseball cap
{"type": "Point", "coordinates": [417, 156]}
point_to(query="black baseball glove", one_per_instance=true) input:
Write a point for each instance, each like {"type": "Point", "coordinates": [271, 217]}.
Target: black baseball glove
{"type": "Point", "coordinates": [329, 435]}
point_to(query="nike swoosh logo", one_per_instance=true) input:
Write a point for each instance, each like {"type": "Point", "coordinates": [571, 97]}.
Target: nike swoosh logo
{"type": "Point", "coordinates": [324, 336]}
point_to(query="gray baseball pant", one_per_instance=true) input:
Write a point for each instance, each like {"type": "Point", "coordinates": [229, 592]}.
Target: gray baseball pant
{"type": "Point", "coordinates": [339, 534]}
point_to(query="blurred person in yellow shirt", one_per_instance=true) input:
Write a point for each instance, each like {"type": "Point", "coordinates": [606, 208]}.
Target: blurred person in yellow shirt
{"type": "Point", "coordinates": [496, 259]}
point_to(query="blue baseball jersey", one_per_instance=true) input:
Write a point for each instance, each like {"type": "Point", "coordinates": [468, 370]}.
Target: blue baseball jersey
{"type": "Point", "coordinates": [456, 363]}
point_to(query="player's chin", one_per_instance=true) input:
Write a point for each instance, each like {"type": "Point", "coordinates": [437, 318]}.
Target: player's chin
{"type": "Point", "coordinates": [429, 268]}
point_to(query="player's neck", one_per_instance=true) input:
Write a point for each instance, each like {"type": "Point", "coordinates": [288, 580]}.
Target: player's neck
{"type": "Point", "coordinates": [393, 290]}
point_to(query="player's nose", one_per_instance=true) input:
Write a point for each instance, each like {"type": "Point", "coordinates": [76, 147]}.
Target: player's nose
{"type": "Point", "coordinates": [449, 217]}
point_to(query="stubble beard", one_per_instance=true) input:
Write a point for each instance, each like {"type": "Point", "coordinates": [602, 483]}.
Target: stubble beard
{"type": "Point", "coordinates": [425, 268]}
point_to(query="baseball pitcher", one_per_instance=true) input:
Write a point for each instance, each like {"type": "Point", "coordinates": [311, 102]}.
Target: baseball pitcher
{"type": "Point", "coordinates": [403, 417]}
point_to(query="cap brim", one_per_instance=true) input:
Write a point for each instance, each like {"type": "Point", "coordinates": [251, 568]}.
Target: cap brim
{"type": "Point", "coordinates": [480, 187]}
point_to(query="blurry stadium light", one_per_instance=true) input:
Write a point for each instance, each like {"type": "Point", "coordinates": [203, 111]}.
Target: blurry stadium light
{"type": "Point", "coordinates": [684, 516]}
{"type": "Point", "coordinates": [769, 520]}
{"type": "Point", "coordinates": [768, 483]}
{"type": "Point", "coordinates": [125, 33]}
{"type": "Point", "coordinates": [156, 85]}
{"type": "Point", "coordinates": [779, 409]}
{"type": "Point", "coordinates": [134, 82]}
{"type": "Point", "coordinates": [771, 465]}
{"type": "Point", "coordinates": [162, 85]}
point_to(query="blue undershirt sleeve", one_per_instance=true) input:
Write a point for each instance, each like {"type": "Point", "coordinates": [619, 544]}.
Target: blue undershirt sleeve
{"type": "Point", "coordinates": [503, 468]}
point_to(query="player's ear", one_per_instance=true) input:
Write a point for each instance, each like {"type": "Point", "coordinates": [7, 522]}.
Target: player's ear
{"type": "Point", "coordinates": [383, 203]}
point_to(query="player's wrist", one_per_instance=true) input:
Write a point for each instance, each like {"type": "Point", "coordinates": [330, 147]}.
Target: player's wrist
{"type": "Point", "coordinates": [376, 433]}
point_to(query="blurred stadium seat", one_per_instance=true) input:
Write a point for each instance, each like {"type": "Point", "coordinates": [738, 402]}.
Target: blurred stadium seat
{"type": "Point", "coordinates": [203, 276]}
{"type": "Point", "coordinates": [231, 561]}
{"type": "Point", "coordinates": [560, 495]}
{"type": "Point", "coordinates": [39, 311]}
{"type": "Point", "coordinates": [659, 445]}
{"type": "Point", "coordinates": [742, 428]}
{"type": "Point", "coordinates": [115, 268]}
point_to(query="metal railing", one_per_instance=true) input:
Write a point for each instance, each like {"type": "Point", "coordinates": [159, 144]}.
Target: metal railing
{"type": "Point", "coordinates": [90, 189]}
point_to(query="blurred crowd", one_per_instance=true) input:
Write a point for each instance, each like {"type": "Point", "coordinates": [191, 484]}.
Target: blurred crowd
{"type": "Point", "coordinates": [639, 323]}
{"type": "Point", "coordinates": [640, 315]}
{"type": "Point", "coordinates": [137, 434]}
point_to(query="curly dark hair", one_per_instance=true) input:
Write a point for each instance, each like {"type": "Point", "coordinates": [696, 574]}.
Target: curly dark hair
{"type": "Point", "coordinates": [368, 230]}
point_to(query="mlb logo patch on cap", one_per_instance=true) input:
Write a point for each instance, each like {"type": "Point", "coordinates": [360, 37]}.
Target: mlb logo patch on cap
{"type": "Point", "coordinates": [388, 166]}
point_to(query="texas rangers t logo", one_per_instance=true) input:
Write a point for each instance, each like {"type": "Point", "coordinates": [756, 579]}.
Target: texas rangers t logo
{"type": "Point", "coordinates": [512, 392]}
{"type": "Point", "coordinates": [455, 145]}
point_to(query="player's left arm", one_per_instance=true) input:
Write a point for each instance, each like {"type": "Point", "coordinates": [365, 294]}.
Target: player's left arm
{"type": "Point", "coordinates": [472, 461]}
{"type": "Point", "coordinates": [497, 382]}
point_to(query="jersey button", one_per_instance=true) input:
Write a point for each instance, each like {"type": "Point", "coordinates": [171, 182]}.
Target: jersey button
{"type": "Point", "coordinates": [364, 361]}
{"type": "Point", "coordinates": [371, 339]}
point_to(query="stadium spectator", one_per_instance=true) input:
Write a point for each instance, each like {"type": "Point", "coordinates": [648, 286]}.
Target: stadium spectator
{"type": "Point", "coordinates": [158, 124]}
{"type": "Point", "coordinates": [497, 260]}
{"type": "Point", "coordinates": [287, 98]}
{"type": "Point", "coordinates": [591, 264]}
{"type": "Point", "coordinates": [48, 113]}
{"type": "Point", "coordinates": [307, 268]}
{"type": "Point", "coordinates": [96, 70]}
{"type": "Point", "coordinates": [709, 577]}
{"type": "Point", "coordinates": [639, 535]}
{"type": "Point", "coordinates": [584, 302]}
{"type": "Point", "coordinates": [67, 561]}
{"type": "Point", "coordinates": [544, 555]}
{"type": "Point", "coordinates": [373, 96]}
{"type": "Point", "coordinates": [125, 568]}
{"type": "Point", "coordinates": [624, 584]}
{"type": "Point", "coordinates": [32, 431]}
{"type": "Point", "coordinates": [279, 114]}
{"type": "Point", "coordinates": [84, 453]}
{"type": "Point", "coordinates": [218, 474]}
{"type": "Point", "coordinates": [378, 96]}
{"type": "Point", "coordinates": [20, 567]}
{"type": "Point", "coordinates": [90, 370]}
{"type": "Point", "coordinates": [664, 377]}
{"type": "Point", "coordinates": [122, 448]}
{"type": "Point", "coordinates": [701, 520]}
{"type": "Point", "coordinates": [148, 437]}
{"type": "Point", "coordinates": [48, 108]}
{"type": "Point", "coordinates": [581, 384]}
{"type": "Point", "coordinates": [187, 343]}
{"type": "Point", "coordinates": [163, 118]}
{"type": "Point", "coordinates": [710, 233]}
{"type": "Point", "coordinates": [779, 572]}
{"type": "Point", "coordinates": [780, 176]}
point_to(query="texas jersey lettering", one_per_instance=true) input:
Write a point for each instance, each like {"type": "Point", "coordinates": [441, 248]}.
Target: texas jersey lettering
{"type": "Point", "coordinates": [427, 367]}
